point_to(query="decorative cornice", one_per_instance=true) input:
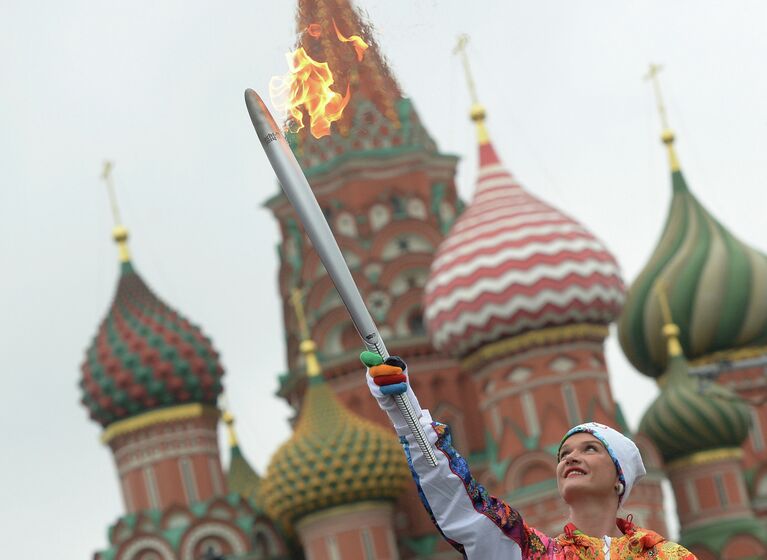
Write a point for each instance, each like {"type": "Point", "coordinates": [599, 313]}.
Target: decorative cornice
{"type": "Point", "coordinates": [704, 457]}
{"type": "Point", "coordinates": [532, 339]}
{"type": "Point", "coordinates": [371, 167]}
{"type": "Point", "coordinates": [530, 385]}
{"type": "Point", "coordinates": [163, 415]}
{"type": "Point", "coordinates": [734, 355]}
{"type": "Point", "coordinates": [356, 508]}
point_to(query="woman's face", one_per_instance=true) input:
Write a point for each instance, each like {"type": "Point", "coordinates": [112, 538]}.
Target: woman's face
{"type": "Point", "coordinates": [585, 468]}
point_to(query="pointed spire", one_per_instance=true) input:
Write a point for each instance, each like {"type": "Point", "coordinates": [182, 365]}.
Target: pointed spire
{"type": "Point", "coordinates": [477, 112]}
{"type": "Point", "coordinates": [667, 136]}
{"type": "Point", "coordinates": [378, 118]}
{"type": "Point", "coordinates": [241, 478]}
{"type": "Point", "coordinates": [320, 23]}
{"type": "Point", "coordinates": [308, 347]}
{"type": "Point", "coordinates": [119, 231]}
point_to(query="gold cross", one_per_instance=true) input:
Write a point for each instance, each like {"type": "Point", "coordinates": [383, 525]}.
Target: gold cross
{"type": "Point", "coordinates": [106, 176]}
{"type": "Point", "coordinates": [460, 49]}
{"type": "Point", "coordinates": [652, 76]}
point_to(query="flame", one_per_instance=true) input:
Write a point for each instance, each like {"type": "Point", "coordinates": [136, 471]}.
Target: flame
{"type": "Point", "coordinates": [307, 86]}
{"type": "Point", "coordinates": [360, 46]}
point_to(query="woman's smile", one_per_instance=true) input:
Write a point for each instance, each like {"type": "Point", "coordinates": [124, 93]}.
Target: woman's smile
{"type": "Point", "coordinates": [574, 471]}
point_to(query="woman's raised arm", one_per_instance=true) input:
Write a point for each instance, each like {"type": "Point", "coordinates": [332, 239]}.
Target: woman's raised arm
{"type": "Point", "coordinates": [477, 524]}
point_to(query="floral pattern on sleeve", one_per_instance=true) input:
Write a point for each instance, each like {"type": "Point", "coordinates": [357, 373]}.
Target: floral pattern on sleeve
{"type": "Point", "coordinates": [506, 518]}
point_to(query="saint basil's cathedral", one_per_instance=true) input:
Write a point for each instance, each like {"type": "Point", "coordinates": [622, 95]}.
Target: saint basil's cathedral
{"type": "Point", "coordinates": [500, 307]}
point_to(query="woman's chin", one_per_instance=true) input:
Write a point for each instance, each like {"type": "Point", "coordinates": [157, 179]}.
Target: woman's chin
{"type": "Point", "coordinates": [574, 489]}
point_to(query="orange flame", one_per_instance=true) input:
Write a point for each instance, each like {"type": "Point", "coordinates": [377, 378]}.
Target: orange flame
{"type": "Point", "coordinates": [308, 86]}
{"type": "Point", "coordinates": [360, 46]}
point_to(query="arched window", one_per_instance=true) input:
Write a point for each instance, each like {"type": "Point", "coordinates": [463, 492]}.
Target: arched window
{"type": "Point", "coordinates": [415, 322]}
{"type": "Point", "coordinates": [398, 205]}
{"type": "Point", "coordinates": [416, 208]}
{"type": "Point", "coordinates": [408, 280]}
{"type": "Point", "coordinates": [346, 225]}
{"type": "Point", "coordinates": [379, 216]}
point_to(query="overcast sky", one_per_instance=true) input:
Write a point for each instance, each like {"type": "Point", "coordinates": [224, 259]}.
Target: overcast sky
{"type": "Point", "coordinates": [157, 87]}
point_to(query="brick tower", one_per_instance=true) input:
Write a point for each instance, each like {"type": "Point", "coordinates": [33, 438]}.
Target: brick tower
{"type": "Point", "coordinates": [522, 294]}
{"type": "Point", "coordinates": [151, 379]}
{"type": "Point", "coordinates": [389, 196]}
{"type": "Point", "coordinates": [335, 481]}
{"type": "Point", "coordinates": [699, 430]}
{"type": "Point", "coordinates": [716, 288]}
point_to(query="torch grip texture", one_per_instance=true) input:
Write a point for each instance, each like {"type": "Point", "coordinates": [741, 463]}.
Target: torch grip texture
{"type": "Point", "coordinates": [406, 408]}
{"type": "Point", "coordinates": [299, 193]}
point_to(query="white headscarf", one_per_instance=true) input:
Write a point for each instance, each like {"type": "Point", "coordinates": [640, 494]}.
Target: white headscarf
{"type": "Point", "coordinates": [624, 453]}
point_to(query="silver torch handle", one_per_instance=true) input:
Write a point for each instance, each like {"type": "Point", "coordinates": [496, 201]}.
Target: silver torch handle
{"type": "Point", "coordinates": [298, 191]}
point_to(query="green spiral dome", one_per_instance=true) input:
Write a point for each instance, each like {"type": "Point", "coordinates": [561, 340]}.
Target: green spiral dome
{"type": "Point", "coordinates": [688, 417]}
{"type": "Point", "coordinates": [716, 286]}
{"type": "Point", "coordinates": [334, 457]}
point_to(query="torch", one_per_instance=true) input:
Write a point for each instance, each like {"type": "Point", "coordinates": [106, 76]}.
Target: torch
{"type": "Point", "coordinates": [298, 191]}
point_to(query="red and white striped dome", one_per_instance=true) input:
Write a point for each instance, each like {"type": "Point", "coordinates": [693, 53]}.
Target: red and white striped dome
{"type": "Point", "coordinates": [511, 264]}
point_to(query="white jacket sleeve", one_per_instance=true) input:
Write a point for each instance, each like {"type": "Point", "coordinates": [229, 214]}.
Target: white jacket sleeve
{"type": "Point", "coordinates": [476, 524]}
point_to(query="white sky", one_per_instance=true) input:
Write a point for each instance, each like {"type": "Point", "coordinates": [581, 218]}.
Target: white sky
{"type": "Point", "coordinates": [157, 87]}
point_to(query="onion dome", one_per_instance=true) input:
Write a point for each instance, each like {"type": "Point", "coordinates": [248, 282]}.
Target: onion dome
{"type": "Point", "coordinates": [717, 286]}
{"type": "Point", "coordinates": [240, 478]}
{"type": "Point", "coordinates": [145, 355]}
{"type": "Point", "coordinates": [513, 263]}
{"type": "Point", "coordinates": [334, 456]}
{"type": "Point", "coordinates": [377, 119]}
{"type": "Point", "coordinates": [688, 417]}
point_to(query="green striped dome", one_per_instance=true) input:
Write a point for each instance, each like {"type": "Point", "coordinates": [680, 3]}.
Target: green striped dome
{"type": "Point", "coordinates": [716, 286]}
{"type": "Point", "coordinates": [688, 417]}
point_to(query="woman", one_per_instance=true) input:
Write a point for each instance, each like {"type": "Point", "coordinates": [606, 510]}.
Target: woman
{"type": "Point", "coordinates": [596, 469]}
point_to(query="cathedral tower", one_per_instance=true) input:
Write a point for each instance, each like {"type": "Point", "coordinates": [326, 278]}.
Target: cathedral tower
{"type": "Point", "coordinates": [716, 287]}
{"type": "Point", "coordinates": [389, 197]}
{"type": "Point", "coordinates": [523, 294]}
{"type": "Point", "coordinates": [151, 379]}
{"type": "Point", "coordinates": [335, 481]}
{"type": "Point", "coordinates": [699, 428]}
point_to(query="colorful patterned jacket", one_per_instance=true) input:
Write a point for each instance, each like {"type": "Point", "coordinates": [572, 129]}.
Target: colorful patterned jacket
{"type": "Point", "coordinates": [482, 527]}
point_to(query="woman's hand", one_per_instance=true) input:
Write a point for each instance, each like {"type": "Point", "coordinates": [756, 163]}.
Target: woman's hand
{"type": "Point", "coordinates": [386, 379]}
{"type": "Point", "coordinates": [389, 375]}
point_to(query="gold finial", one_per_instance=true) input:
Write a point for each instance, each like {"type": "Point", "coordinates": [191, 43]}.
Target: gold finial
{"type": "Point", "coordinates": [667, 136]}
{"type": "Point", "coordinates": [228, 419]}
{"type": "Point", "coordinates": [670, 329]}
{"type": "Point", "coordinates": [119, 231]}
{"type": "Point", "coordinates": [308, 347]}
{"type": "Point", "coordinates": [477, 112]}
